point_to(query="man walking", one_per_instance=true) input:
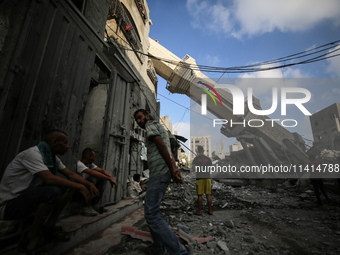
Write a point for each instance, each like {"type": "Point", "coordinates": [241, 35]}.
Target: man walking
{"type": "Point", "coordinates": [162, 168]}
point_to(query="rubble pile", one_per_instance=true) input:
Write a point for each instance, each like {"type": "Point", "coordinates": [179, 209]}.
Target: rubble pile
{"type": "Point", "coordinates": [248, 220]}
{"type": "Point", "coordinates": [329, 156]}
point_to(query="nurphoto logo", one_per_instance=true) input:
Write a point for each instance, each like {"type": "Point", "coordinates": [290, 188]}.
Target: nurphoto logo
{"type": "Point", "coordinates": [238, 99]}
{"type": "Point", "coordinates": [281, 98]}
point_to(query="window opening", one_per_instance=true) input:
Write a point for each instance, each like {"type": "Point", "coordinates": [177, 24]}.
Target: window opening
{"type": "Point", "coordinates": [141, 8]}
{"type": "Point", "coordinates": [125, 22]}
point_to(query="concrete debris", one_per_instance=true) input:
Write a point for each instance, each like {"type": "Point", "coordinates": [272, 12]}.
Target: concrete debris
{"type": "Point", "coordinates": [251, 220]}
{"type": "Point", "coordinates": [224, 204]}
{"type": "Point", "coordinates": [223, 246]}
{"type": "Point", "coordinates": [329, 155]}
{"type": "Point", "coordinates": [228, 224]}
{"type": "Point", "coordinates": [186, 237]}
{"type": "Point", "coordinates": [212, 245]}
{"type": "Point", "coordinates": [183, 227]}
{"type": "Point", "coordinates": [146, 236]}
{"type": "Point", "coordinates": [135, 233]}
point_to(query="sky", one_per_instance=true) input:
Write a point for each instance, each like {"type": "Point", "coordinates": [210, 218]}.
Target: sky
{"type": "Point", "coordinates": [228, 33]}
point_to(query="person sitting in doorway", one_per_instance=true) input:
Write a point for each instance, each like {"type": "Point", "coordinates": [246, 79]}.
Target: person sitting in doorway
{"type": "Point", "coordinates": [136, 187]}
{"type": "Point", "coordinates": [95, 175]}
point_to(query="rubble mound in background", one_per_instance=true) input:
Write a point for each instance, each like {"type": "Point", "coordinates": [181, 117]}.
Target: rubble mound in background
{"type": "Point", "coordinates": [329, 156]}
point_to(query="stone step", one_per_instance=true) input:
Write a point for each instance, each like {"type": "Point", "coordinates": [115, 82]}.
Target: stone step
{"type": "Point", "coordinates": [107, 239]}
{"type": "Point", "coordinates": [82, 228]}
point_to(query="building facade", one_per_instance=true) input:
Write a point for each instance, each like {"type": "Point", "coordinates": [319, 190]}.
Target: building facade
{"type": "Point", "coordinates": [77, 65]}
{"type": "Point", "coordinates": [235, 147]}
{"type": "Point", "coordinates": [326, 127]}
{"type": "Point", "coordinates": [204, 141]}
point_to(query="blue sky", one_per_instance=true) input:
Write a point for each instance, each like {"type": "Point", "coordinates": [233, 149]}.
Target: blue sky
{"type": "Point", "coordinates": [229, 33]}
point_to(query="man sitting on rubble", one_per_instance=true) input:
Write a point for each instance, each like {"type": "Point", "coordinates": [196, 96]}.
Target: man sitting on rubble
{"type": "Point", "coordinates": [95, 175]}
{"type": "Point", "coordinates": [30, 185]}
{"type": "Point", "coordinates": [201, 166]}
{"type": "Point", "coordinates": [162, 168]}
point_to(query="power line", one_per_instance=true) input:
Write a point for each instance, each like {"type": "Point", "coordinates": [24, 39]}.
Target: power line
{"type": "Point", "coordinates": [320, 53]}
{"type": "Point", "coordinates": [179, 122]}
{"type": "Point", "coordinates": [172, 101]}
{"type": "Point", "coordinates": [188, 108]}
{"type": "Point", "coordinates": [316, 54]}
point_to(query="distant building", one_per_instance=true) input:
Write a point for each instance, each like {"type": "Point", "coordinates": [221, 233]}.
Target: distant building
{"type": "Point", "coordinates": [220, 150]}
{"type": "Point", "coordinates": [235, 147]}
{"type": "Point", "coordinates": [165, 121]}
{"type": "Point", "coordinates": [204, 141]}
{"type": "Point", "coordinates": [326, 127]}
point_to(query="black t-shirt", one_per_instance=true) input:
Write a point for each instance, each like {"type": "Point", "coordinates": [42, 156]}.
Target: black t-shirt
{"type": "Point", "coordinates": [202, 167]}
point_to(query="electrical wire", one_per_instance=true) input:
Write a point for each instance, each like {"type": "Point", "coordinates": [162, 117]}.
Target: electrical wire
{"type": "Point", "coordinates": [316, 54]}
{"type": "Point", "coordinates": [185, 107]}
{"type": "Point", "coordinates": [179, 122]}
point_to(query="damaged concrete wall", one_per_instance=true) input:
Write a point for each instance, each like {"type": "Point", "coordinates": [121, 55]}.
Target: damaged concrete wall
{"type": "Point", "coordinates": [59, 53]}
{"type": "Point", "coordinates": [12, 15]}
{"type": "Point", "coordinates": [49, 87]}
{"type": "Point", "coordinates": [326, 127]}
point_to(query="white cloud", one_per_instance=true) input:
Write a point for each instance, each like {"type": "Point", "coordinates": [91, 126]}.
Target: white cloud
{"type": "Point", "coordinates": [287, 72]}
{"type": "Point", "coordinates": [182, 128]}
{"type": "Point", "coordinates": [330, 95]}
{"type": "Point", "coordinates": [212, 60]}
{"type": "Point", "coordinates": [334, 64]}
{"type": "Point", "coordinates": [261, 16]}
{"type": "Point", "coordinates": [275, 73]}
{"type": "Point", "coordinates": [294, 73]}
{"type": "Point", "coordinates": [249, 17]}
{"type": "Point", "coordinates": [336, 91]}
{"type": "Point", "coordinates": [214, 17]}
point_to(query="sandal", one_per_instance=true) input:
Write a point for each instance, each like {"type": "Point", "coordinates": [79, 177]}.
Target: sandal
{"type": "Point", "coordinates": [57, 234]}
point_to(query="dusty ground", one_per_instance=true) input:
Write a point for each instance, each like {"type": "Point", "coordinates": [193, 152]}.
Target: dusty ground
{"type": "Point", "coordinates": [250, 220]}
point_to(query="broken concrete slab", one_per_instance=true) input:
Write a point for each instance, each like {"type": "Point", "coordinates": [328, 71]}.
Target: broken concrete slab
{"type": "Point", "coordinates": [135, 233]}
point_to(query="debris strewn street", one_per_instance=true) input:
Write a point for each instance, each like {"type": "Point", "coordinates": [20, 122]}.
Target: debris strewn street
{"type": "Point", "coordinates": [281, 219]}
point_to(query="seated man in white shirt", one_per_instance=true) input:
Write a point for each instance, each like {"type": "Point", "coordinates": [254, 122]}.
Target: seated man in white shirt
{"type": "Point", "coordinates": [95, 175]}
{"type": "Point", "coordinates": [30, 186]}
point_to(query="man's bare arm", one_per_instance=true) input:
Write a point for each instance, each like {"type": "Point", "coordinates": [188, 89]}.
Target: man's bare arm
{"type": "Point", "coordinates": [72, 175]}
{"type": "Point", "coordinates": [100, 175]}
{"type": "Point", "coordinates": [176, 175]}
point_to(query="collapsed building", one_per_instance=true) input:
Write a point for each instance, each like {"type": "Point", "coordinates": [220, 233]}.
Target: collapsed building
{"type": "Point", "coordinates": [326, 127]}
{"type": "Point", "coordinates": [271, 144]}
